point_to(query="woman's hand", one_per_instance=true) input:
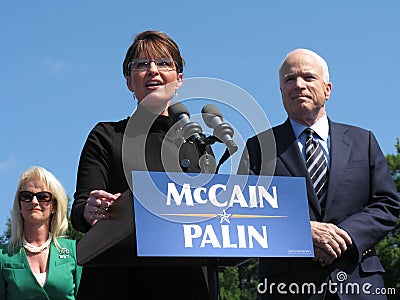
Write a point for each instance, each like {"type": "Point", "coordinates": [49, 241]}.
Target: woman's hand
{"type": "Point", "coordinates": [97, 206]}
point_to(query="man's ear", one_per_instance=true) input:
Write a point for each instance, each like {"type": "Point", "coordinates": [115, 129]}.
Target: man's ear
{"type": "Point", "coordinates": [328, 89]}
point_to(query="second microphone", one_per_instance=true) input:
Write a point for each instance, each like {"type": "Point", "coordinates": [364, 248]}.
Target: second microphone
{"type": "Point", "coordinates": [190, 130]}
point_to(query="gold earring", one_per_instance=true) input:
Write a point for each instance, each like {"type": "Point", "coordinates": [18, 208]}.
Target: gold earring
{"type": "Point", "coordinates": [176, 94]}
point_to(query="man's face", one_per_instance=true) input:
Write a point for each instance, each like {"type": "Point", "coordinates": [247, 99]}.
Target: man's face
{"type": "Point", "coordinates": [304, 91]}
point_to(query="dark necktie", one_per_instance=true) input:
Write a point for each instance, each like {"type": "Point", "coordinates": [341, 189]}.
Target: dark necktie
{"type": "Point", "coordinates": [317, 166]}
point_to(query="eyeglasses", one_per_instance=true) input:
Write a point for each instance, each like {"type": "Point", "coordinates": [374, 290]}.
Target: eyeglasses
{"type": "Point", "coordinates": [26, 196]}
{"type": "Point", "coordinates": [143, 64]}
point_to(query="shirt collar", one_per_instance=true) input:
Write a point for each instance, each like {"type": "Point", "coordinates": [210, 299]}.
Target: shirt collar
{"type": "Point", "coordinates": [321, 127]}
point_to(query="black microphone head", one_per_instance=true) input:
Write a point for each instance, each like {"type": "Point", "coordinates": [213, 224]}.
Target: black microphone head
{"type": "Point", "coordinates": [176, 109]}
{"type": "Point", "coordinates": [208, 112]}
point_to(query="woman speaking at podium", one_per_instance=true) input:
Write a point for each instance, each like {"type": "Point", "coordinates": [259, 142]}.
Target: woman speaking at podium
{"type": "Point", "coordinates": [153, 69]}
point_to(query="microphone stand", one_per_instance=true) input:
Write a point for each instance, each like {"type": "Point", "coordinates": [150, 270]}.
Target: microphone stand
{"type": "Point", "coordinates": [208, 165]}
{"type": "Point", "coordinates": [206, 161]}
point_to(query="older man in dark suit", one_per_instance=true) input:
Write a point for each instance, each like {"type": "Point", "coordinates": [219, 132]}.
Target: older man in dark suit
{"type": "Point", "coordinates": [353, 202]}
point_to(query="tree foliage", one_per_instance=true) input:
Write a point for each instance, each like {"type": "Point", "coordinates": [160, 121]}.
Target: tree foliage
{"type": "Point", "coordinates": [388, 249]}
{"type": "Point", "coordinates": [228, 283]}
{"type": "Point", "coordinates": [393, 161]}
{"type": "Point", "coordinates": [239, 283]}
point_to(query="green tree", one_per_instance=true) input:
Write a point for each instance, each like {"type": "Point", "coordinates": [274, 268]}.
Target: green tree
{"type": "Point", "coordinates": [393, 161]}
{"type": "Point", "coordinates": [239, 283]}
{"type": "Point", "coordinates": [388, 249]}
{"type": "Point", "coordinates": [228, 278]}
{"type": "Point", "coordinates": [248, 276]}
{"type": "Point", "coordinates": [72, 233]}
{"type": "Point", "coordinates": [7, 233]}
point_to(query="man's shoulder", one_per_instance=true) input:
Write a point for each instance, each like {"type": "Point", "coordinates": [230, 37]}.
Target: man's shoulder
{"type": "Point", "coordinates": [345, 127]}
{"type": "Point", "coordinates": [270, 132]}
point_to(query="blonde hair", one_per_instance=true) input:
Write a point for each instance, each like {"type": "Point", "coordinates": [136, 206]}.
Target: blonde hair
{"type": "Point", "coordinates": [58, 221]}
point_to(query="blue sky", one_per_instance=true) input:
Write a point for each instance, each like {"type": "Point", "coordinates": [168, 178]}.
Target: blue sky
{"type": "Point", "coordinates": [61, 68]}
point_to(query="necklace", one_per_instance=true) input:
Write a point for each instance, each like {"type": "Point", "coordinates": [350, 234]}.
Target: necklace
{"type": "Point", "coordinates": [35, 249]}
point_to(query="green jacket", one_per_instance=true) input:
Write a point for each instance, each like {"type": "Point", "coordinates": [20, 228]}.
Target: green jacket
{"type": "Point", "coordinates": [17, 281]}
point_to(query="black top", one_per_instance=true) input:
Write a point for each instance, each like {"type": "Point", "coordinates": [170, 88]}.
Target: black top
{"type": "Point", "coordinates": [103, 166]}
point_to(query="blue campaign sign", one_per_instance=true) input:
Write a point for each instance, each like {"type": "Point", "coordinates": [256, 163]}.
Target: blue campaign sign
{"type": "Point", "coordinates": [220, 215]}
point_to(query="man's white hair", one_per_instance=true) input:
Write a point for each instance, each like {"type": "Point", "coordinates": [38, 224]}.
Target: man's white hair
{"type": "Point", "coordinates": [322, 61]}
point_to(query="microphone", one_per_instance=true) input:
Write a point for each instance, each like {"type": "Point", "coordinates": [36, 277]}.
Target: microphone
{"type": "Point", "coordinates": [222, 130]}
{"type": "Point", "coordinates": [190, 130]}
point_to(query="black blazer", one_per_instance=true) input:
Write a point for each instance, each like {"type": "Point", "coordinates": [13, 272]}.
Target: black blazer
{"type": "Point", "coordinates": [361, 198]}
{"type": "Point", "coordinates": [103, 166]}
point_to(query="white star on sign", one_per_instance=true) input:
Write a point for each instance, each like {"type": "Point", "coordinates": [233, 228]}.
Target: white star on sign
{"type": "Point", "coordinates": [224, 216]}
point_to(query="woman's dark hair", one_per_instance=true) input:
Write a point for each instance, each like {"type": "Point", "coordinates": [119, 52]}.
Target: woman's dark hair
{"type": "Point", "coordinates": [153, 44]}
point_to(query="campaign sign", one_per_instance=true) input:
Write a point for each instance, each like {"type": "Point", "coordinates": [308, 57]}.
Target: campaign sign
{"type": "Point", "coordinates": [220, 215]}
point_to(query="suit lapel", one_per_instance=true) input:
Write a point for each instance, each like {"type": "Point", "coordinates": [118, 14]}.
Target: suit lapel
{"type": "Point", "coordinates": [55, 261]}
{"type": "Point", "coordinates": [288, 150]}
{"type": "Point", "coordinates": [289, 153]}
{"type": "Point", "coordinates": [339, 155]}
{"type": "Point", "coordinates": [51, 276]}
{"type": "Point", "coordinates": [25, 277]}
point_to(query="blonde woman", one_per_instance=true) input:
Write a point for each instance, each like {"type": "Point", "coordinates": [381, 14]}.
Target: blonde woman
{"type": "Point", "coordinates": [38, 263]}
